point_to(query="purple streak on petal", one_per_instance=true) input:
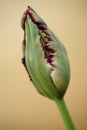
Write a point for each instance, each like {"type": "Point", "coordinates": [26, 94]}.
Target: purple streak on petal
{"type": "Point", "coordinates": [33, 18]}
{"type": "Point", "coordinates": [23, 42]}
{"type": "Point", "coordinates": [45, 31]}
{"type": "Point", "coordinates": [48, 37]}
{"type": "Point", "coordinates": [29, 7]}
{"type": "Point", "coordinates": [24, 63]}
{"type": "Point", "coordinates": [23, 20]}
{"type": "Point", "coordinates": [44, 45]}
{"type": "Point", "coordinates": [51, 56]}
{"type": "Point", "coordinates": [49, 49]}
{"type": "Point", "coordinates": [42, 27]}
{"type": "Point", "coordinates": [52, 65]}
{"type": "Point", "coordinates": [23, 60]}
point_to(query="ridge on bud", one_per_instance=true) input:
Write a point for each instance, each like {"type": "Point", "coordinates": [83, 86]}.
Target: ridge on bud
{"type": "Point", "coordinates": [44, 57]}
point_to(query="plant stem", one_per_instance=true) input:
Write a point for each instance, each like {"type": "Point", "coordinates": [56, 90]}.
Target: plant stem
{"type": "Point", "coordinates": [65, 114]}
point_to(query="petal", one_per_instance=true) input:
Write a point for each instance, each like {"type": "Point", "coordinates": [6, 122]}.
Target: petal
{"type": "Point", "coordinates": [39, 69]}
{"type": "Point", "coordinates": [61, 74]}
{"type": "Point", "coordinates": [45, 56]}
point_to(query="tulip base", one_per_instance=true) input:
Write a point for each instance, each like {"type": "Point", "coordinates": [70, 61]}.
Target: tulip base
{"type": "Point", "coordinates": [65, 114]}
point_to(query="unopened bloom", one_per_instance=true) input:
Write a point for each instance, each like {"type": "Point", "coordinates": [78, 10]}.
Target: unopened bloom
{"type": "Point", "coordinates": [44, 56]}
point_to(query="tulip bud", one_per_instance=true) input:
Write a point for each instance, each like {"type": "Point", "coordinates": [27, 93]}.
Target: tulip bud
{"type": "Point", "coordinates": [44, 57]}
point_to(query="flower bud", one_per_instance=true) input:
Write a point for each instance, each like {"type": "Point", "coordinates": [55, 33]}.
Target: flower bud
{"type": "Point", "coordinates": [44, 57]}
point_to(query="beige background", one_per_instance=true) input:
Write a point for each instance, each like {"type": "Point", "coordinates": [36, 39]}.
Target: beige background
{"type": "Point", "coordinates": [21, 107]}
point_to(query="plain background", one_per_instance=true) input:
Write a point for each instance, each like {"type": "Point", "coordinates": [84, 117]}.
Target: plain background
{"type": "Point", "coordinates": [21, 107]}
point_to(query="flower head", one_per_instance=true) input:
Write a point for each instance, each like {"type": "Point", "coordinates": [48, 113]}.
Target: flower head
{"type": "Point", "coordinates": [44, 56]}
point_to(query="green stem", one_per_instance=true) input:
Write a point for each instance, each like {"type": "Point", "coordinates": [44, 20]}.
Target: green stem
{"type": "Point", "coordinates": [65, 114]}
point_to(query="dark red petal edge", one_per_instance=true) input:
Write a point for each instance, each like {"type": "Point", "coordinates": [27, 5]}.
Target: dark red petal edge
{"type": "Point", "coordinates": [46, 47]}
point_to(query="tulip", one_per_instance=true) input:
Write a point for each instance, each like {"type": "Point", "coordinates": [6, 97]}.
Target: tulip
{"type": "Point", "coordinates": [46, 61]}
